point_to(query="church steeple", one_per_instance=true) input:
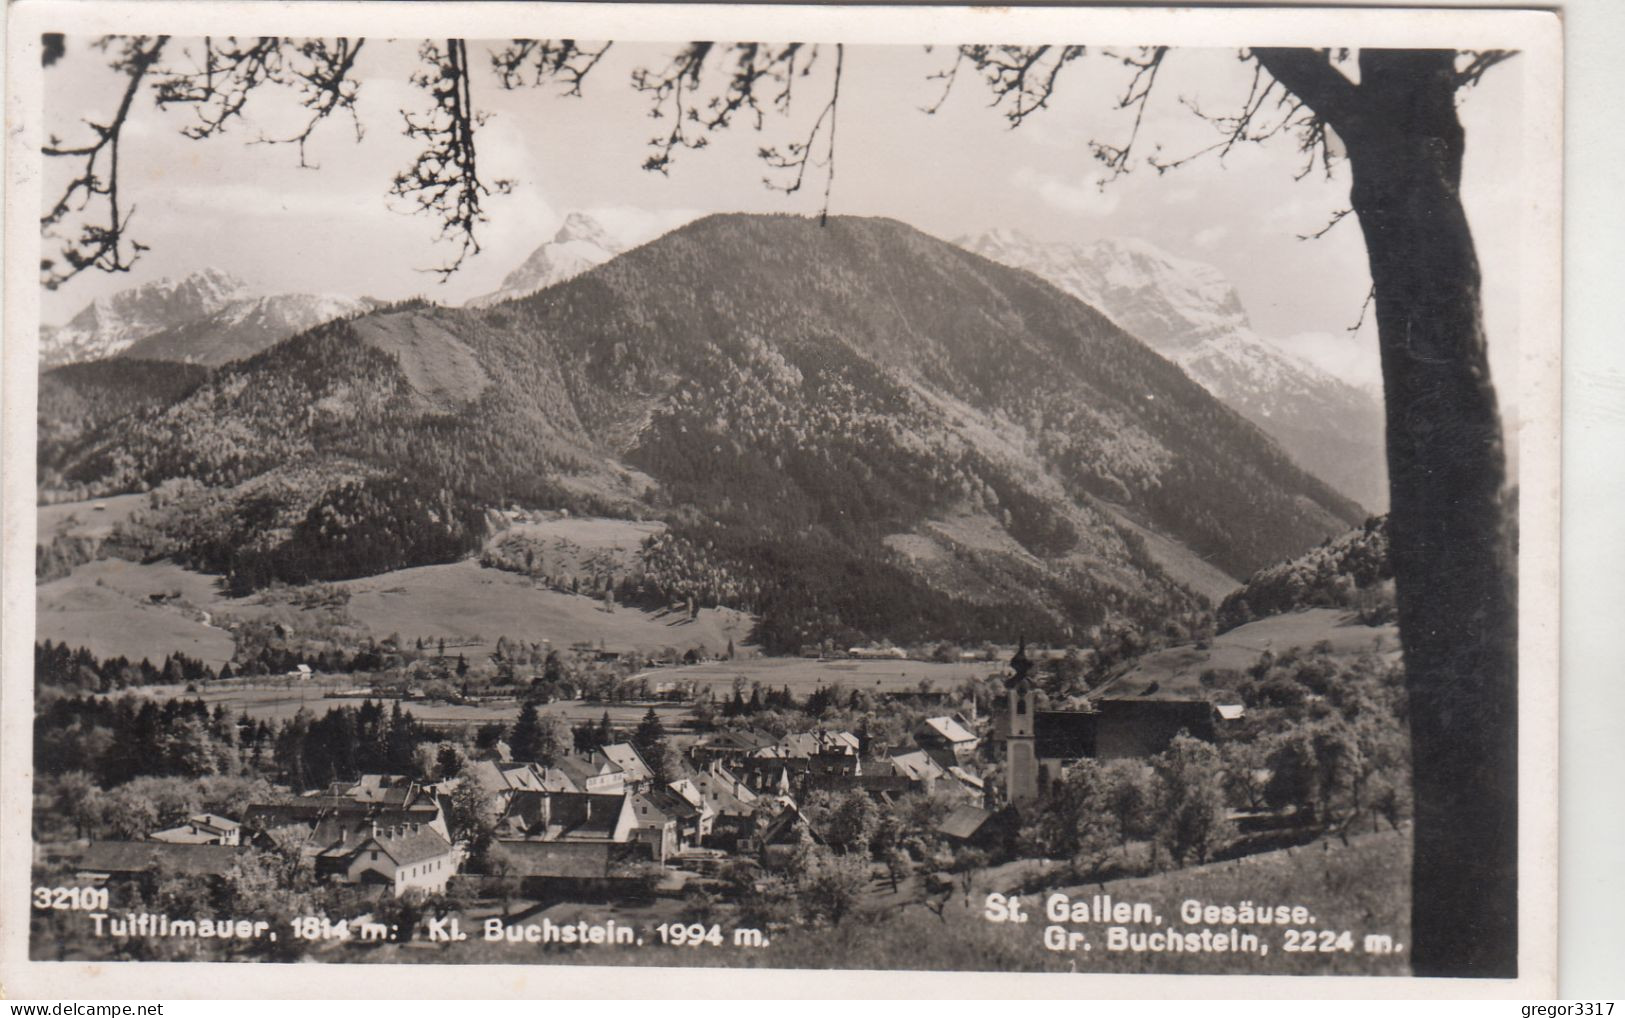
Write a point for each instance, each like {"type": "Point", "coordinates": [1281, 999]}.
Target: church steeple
{"type": "Point", "coordinates": [1021, 665]}
{"type": "Point", "coordinates": [1021, 762]}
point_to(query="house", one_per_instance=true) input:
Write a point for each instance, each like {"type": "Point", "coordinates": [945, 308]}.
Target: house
{"type": "Point", "coordinates": [600, 773]}
{"type": "Point", "coordinates": [636, 772]}
{"type": "Point", "coordinates": [201, 829]}
{"type": "Point", "coordinates": [1138, 728]}
{"type": "Point", "coordinates": [728, 745]}
{"type": "Point", "coordinates": [947, 736]}
{"type": "Point", "coordinates": [300, 672]}
{"type": "Point", "coordinates": [386, 789]}
{"type": "Point", "coordinates": [730, 802]}
{"type": "Point", "coordinates": [120, 860]}
{"type": "Point", "coordinates": [568, 816]}
{"type": "Point", "coordinates": [691, 794]}
{"type": "Point", "coordinates": [309, 811]}
{"type": "Point", "coordinates": [780, 836]}
{"type": "Point", "coordinates": [400, 858]}
{"type": "Point", "coordinates": [965, 824]}
{"type": "Point", "coordinates": [804, 745]}
{"type": "Point", "coordinates": [665, 822]}
{"type": "Point", "coordinates": [917, 765]}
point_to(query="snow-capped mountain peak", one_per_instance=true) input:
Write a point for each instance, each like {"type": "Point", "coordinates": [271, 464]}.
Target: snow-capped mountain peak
{"type": "Point", "coordinates": [109, 324]}
{"type": "Point", "coordinates": [1190, 313]}
{"type": "Point", "coordinates": [581, 243]}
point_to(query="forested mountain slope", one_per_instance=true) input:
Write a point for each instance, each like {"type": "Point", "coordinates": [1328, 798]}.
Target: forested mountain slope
{"type": "Point", "coordinates": [854, 430]}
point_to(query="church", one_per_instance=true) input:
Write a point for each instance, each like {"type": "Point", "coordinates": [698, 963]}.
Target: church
{"type": "Point", "coordinates": [1042, 744]}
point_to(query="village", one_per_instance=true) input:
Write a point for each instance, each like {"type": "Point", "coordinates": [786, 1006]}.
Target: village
{"type": "Point", "coordinates": [775, 811]}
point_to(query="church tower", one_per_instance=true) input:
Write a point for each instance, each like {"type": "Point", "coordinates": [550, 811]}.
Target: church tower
{"type": "Point", "coordinates": [1021, 758]}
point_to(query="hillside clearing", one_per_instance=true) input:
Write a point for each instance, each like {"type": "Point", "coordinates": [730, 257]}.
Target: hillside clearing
{"type": "Point", "coordinates": [462, 601]}
{"type": "Point", "coordinates": [136, 610]}
{"type": "Point", "coordinates": [1176, 672]}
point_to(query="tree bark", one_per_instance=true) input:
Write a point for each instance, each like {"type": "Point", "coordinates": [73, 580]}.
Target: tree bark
{"type": "Point", "coordinates": [1453, 567]}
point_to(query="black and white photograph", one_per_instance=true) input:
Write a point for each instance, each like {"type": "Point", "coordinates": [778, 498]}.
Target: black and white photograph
{"type": "Point", "coordinates": [966, 492]}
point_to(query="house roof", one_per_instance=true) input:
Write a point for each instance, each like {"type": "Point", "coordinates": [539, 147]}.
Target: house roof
{"type": "Point", "coordinates": [664, 802]}
{"type": "Point", "coordinates": [917, 764]}
{"type": "Point", "coordinates": [407, 847]}
{"type": "Point", "coordinates": [1064, 734]}
{"type": "Point", "coordinates": [628, 759]}
{"type": "Point", "coordinates": [552, 815]}
{"type": "Point", "coordinates": [1144, 727]}
{"type": "Point", "coordinates": [800, 745]}
{"type": "Point", "coordinates": [122, 857]}
{"type": "Point", "coordinates": [963, 822]}
{"type": "Point", "coordinates": [579, 769]}
{"type": "Point", "coordinates": [1231, 711]}
{"type": "Point", "coordinates": [950, 729]}
{"type": "Point", "coordinates": [311, 811]}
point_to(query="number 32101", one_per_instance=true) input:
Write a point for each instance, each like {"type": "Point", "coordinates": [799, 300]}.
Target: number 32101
{"type": "Point", "coordinates": [75, 899]}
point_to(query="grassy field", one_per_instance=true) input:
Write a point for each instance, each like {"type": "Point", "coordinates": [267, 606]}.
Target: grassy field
{"type": "Point", "coordinates": [280, 699]}
{"type": "Point", "coordinates": [1361, 887]}
{"type": "Point", "coordinates": [90, 518]}
{"type": "Point", "coordinates": [1176, 672]}
{"type": "Point", "coordinates": [462, 601]}
{"type": "Point", "coordinates": [803, 675]}
{"type": "Point", "coordinates": [108, 606]}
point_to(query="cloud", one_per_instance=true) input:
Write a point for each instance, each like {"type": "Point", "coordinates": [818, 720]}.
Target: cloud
{"type": "Point", "coordinates": [1210, 236]}
{"type": "Point", "coordinates": [1083, 198]}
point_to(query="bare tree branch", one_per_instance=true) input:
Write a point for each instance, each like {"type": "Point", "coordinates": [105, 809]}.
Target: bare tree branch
{"type": "Point", "coordinates": [796, 155]}
{"type": "Point", "coordinates": [219, 89]}
{"type": "Point", "coordinates": [1479, 61]}
{"type": "Point", "coordinates": [1146, 64]}
{"type": "Point", "coordinates": [443, 182]}
{"type": "Point", "coordinates": [564, 60]}
{"type": "Point", "coordinates": [99, 245]}
{"type": "Point", "coordinates": [1024, 75]}
{"type": "Point", "coordinates": [326, 86]}
{"type": "Point", "coordinates": [1337, 217]}
{"type": "Point", "coordinates": [666, 89]}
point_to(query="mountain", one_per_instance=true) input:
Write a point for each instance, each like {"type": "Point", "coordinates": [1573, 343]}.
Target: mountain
{"type": "Point", "coordinates": [1187, 311]}
{"type": "Point", "coordinates": [209, 317]}
{"type": "Point", "coordinates": [581, 243]}
{"type": "Point", "coordinates": [75, 400]}
{"type": "Point", "coordinates": [243, 327]}
{"type": "Point", "coordinates": [853, 431]}
{"type": "Point", "coordinates": [109, 325]}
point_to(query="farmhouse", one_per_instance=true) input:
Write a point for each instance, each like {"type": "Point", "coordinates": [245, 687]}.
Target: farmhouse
{"type": "Point", "coordinates": [947, 739]}
{"type": "Point", "coordinates": [201, 829]}
{"type": "Point", "coordinates": [398, 858]}
{"type": "Point", "coordinates": [568, 816]}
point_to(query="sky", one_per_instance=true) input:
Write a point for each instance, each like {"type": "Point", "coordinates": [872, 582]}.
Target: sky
{"type": "Point", "coordinates": [252, 210]}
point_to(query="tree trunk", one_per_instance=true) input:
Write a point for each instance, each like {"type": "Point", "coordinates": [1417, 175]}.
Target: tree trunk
{"type": "Point", "coordinates": [1451, 552]}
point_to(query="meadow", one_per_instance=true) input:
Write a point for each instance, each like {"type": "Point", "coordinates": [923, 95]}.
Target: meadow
{"type": "Point", "coordinates": [1176, 672]}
